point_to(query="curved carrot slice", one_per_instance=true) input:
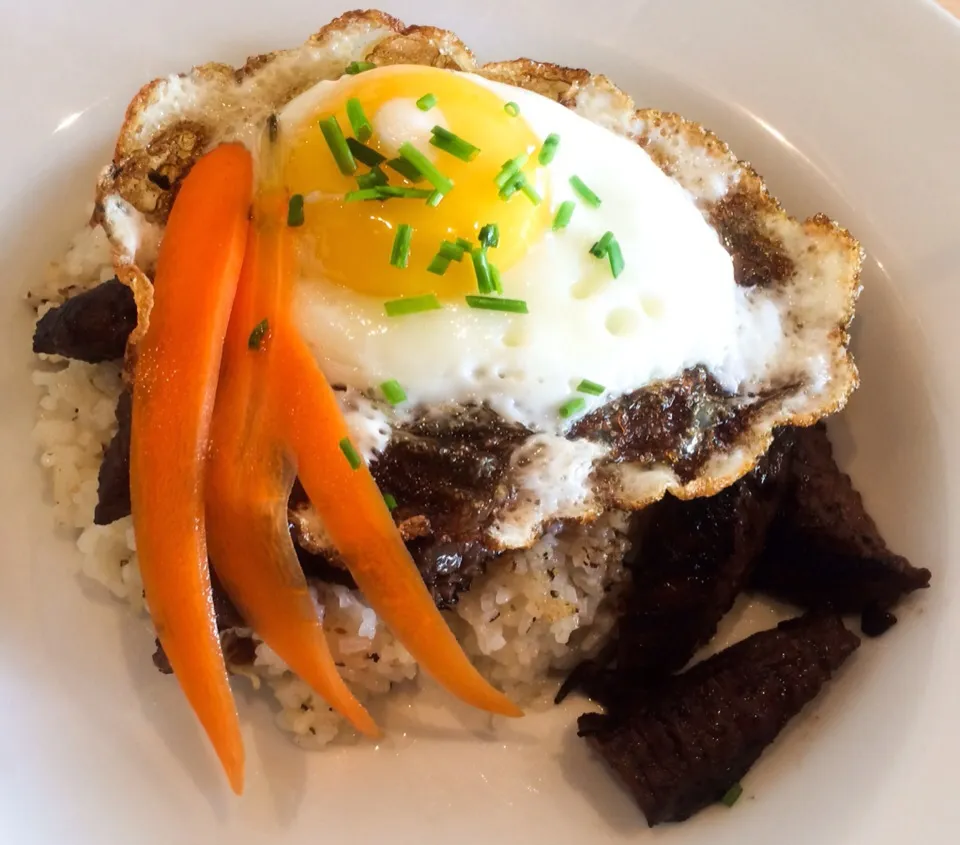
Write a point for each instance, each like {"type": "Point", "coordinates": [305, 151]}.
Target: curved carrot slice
{"type": "Point", "coordinates": [248, 485]}
{"type": "Point", "coordinates": [174, 386]}
{"type": "Point", "coordinates": [364, 534]}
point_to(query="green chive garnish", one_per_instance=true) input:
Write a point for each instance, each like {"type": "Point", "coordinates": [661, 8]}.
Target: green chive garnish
{"type": "Point", "coordinates": [490, 235]}
{"type": "Point", "coordinates": [438, 265]}
{"type": "Point", "coordinates": [615, 256]}
{"type": "Point", "coordinates": [333, 135]}
{"type": "Point", "coordinates": [464, 244]}
{"type": "Point", "coordinates": [452, 251]}
{"type": "Point", "coordinates": [295, 210]}
{"type": "Point", "coordinates": [591, 387]}
{"type": "Point", "coordinates": [258, 334]}
{"type": "Point", "coordinates": [434, 199]}
{"type": "Point", "coordinates": [512, 186]}
{"type": "Point", "coordinates": [495, 279]}
{"type": "Point", "coordinates": [393, 392]}
{"type": "Point", "coordinates": [389, 501]}
{"type": "Point", "coordinates": [412, 305]}
{"type": "Point", "coordinates": [427, 102]}
{"type": "Point", "coordinates": [273, 128]}
{"type": "Point", "coordinates": [530, 192]}
{"type": "Point", "coordinates": [404, 192]}
{"type": "Point", "coordinates": [582, 191]}
{"type": "Point", "coordinates": [599, 249]}
{"type": "Point", "coordinates": [359, 67]}
{"type": "Point", "coordinates": [510, 169]}
{"type": "Point", "coordinates": [364, 154]}
{"type": "Point", "coordinates": [426, 168]}
{"type": "Point", "coordinates": [372, 179]}
{"type": "Point", "coordinates": [405, 169]}
{"type": "Point", "coordinates": [401, 246]}
{"type": "Point", "coordinates": [497, 303]}
{"type": "Point", "coordinates": [549, 148]}
{"type": "Point", "coordinates": [572, 407]}
{"type": "Point", "coordinates": [362, 129]}
{"type": "Point", "coordinates": [732, 795]}
{"type": "Point", "coordinates": [350, 453]}
{"type": "Point", "coordinates": [364, 194]}
{"type": "Point", "coordinates": [445, 140]}
{"type": "Point", "coordinates": [564, 213]}
{"type": "Point", "coordinates": [481, 269]}
{"type": "Point", "coordinates": [512, 109]}
{"type": "Point", "coordinates": [608, 247]}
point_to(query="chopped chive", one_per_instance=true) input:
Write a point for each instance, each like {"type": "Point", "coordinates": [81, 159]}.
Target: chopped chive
{"type": "Point", "coordinates": [333, 135]}
{"type": "Point", "coordinates": [372, 179]}
{"type": "Point", "coordinates": [359, 67]}
{"type": "Point", "coordinates": [404, 192]}
{"type": "Point", "coordinates": [412, 305]}
{"type": "Point", "coordinates": [591, 387]}
{"type": "Point", "coordinates": [530, 192]}
{"type": "Point", "coordinates": [364, 194]}
{"type": "Point", "coordinates": [564, 213]}
{"type": "Point", "coordinates": [512, 109]}
{"type": "Point", "coordinates": [361, 127]}
{"type": "Point", "coordinates": [582, 191]}
{"type": "Point", "coordinates": [510, 169]}
{"type": "Point", "coordinates": [364, 154]}
{"type": "Point", "coordinates": [599, 249]}
{"type": "Point", "coordinates": [434, 199]}
{"type": "Point", "coordinates": [438, 265]}
{"type": "Point", "coordinates": [549, 148]}
{"type": "Point", "coordinates": [400, 253]}
{"type": "Point", "coordinates": [405, 169]}
{"type": "Point", "coordinates": [512, 186]}
{"type": "Point", "coordinates": [258, 334]}
{"type": "Point", "coordinates": [452, 251]}
{"type": "Point", "coordinates": [273, 127]}
{"type": "Point", "coordinates": [495, 279]}
{"type": "Point", "coordinates": [444, 139]}
{"type": "Point", "coordinates": [350, 453]}
{"type": "Point", "coordinates": [427, 102]}
{"type": "Point", "coordinates": [572, 407]}
{"type": "Point", "coordinates": [481, 269]}
{"type": "Point", "coordinates": [490, 235]}
{"type": "Point", "coordinates": [393, 392]}
{"type": "Point", "coordinates": [732, 795]}
{"type": "Point", "coordinates": [426, 168]}
{"type": "Point", "coordinates": [464, 244]}
{"type": "Point", "coordinates": [615, 256]}
{"type": "Point", "coordinates": [497, 303]}
{"type": "Point", "coordinates": [295, 210]}
{"type": "Point", "coordinates": [389, 501]}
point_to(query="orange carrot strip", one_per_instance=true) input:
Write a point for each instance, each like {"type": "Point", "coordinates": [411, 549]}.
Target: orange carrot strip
{"type": "Point", "coordinates": [248, 485]}
{"type": "Point", "coordinates": [363, 531]}
{"type": "Point", "coordinates": [174, 386]}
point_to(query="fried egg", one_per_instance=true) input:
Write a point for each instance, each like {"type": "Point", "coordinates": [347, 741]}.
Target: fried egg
{"type": "Point", "coordinates": [675, 303]}
{"type": "Point", "coordinates": [689, 217]}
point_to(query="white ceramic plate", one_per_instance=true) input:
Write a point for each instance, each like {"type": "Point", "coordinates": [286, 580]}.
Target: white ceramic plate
{"type": "Point", "coordinates": [852, 108]}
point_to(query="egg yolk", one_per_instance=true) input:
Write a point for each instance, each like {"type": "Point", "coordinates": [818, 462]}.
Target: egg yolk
{"type": "Point", "coordinates": [350, 243]}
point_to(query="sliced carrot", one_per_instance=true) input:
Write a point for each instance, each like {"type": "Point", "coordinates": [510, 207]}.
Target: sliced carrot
{"type": "Point", "coordinates": [175, 380]}
{"type": "Point", "coordinates": [250, 474]}
{"type": "Point", "coordinates": [362, 529]}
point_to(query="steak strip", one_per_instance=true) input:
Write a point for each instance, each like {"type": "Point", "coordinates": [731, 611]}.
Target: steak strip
{"type": "Point", "coordinates": [685, 743]}
{"type": "Point", "coordinates": [823, 549]}
{"type": "Point", "coordinates": [92, 326]}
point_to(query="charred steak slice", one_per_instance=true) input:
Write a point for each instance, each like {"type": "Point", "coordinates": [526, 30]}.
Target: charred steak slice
{"type": "Point", "coordinates": [823, 549]}
{"type": "Point", "coordinates": [92, 326]}
{"type": "Point", "coordinates": [113, 490]}
{"type": "Point", "coordinates": [694, 559]}
{"type": "Point", "coordinates": [685, 743]}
